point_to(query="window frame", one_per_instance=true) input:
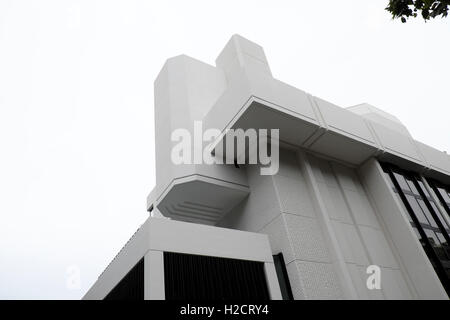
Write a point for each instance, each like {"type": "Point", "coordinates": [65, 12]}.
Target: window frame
{"type": "Point", "coordinates": [435, 185]}
{"type": "Point", "coordinates": [439, 265]}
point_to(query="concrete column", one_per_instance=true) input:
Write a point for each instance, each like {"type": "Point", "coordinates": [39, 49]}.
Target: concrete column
{"type": "Point", "coordinates": [337, 256]}
{"type": "Point", "coordinates": [154, 275]}
{"type": "Point", "coordinates": [272, 281]}
{"type": "Point", "coordinates": [426, 284]}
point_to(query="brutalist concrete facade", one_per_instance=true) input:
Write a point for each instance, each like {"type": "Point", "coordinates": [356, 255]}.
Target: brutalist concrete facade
{"type": "Point", "coordinates": [330, 209]}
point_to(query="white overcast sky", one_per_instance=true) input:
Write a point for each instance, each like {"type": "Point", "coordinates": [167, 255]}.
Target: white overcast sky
{"type": "Point", "coordinates": [76, 107]}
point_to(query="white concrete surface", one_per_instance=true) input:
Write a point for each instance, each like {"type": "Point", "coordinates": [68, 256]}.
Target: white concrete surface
{"type": "Point", "coordinates": [329, 209]}
{"type": "Point", "coordinates": [158, 235]}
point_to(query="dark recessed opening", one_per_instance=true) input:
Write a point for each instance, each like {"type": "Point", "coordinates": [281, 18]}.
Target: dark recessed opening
{"type": "Point", "coordinates": [196, 277]}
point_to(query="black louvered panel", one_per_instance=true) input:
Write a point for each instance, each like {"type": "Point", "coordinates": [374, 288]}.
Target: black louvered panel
{"type": "Point", "coordinates": [195, 277]}
{"type": "Point", "coordinates": [131, 287]}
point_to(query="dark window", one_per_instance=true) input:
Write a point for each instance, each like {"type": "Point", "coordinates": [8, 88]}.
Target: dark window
{"type": "Point", "coordinates": [131, 287]}
{"type": "Point", "coordinates": [283, 278]}
{"type": "Point", "coordinates": [196, 277]}
{"type": "Point", "coordinates": [443, 194]}
{"type": "Point", "coordinates": [425, 218]}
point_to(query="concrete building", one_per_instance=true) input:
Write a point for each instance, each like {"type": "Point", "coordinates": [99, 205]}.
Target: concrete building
{"type": "Point", "coordinates": [353, 190]}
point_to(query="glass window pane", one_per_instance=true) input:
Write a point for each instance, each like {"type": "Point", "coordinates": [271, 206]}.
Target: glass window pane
{"type": "Point", "coordinates": [412, 186]}
{"type": "Point", "coordinates": [416, 208]}
{"type": "Point", "coordinates": [444, 195]}
{"type": "Point", "coordinates": [427, 213]}
{"type": "Point", "coordinates": [401, 181]}
{"type": "Point", "coordinates": [424, 189]}
{"type": "Point", "coordinates": [441, 238]}
{"type": "Point", "coordinates": [436, 244]}
{"type": "Point", "coordinates": [438, 213]}
{"type": "Point", "coordinates": [404, 208]}
{"type": "Point", "coordinates": [442, 248]}
{"type": "Point", "coordinates": [432, 237]}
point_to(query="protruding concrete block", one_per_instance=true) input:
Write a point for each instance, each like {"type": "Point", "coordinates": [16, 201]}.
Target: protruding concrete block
{"type": "Point", "coordinates": [242, 53]}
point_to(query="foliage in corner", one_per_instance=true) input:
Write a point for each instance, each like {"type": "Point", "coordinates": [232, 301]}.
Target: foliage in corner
{"type": "Point", "coordinates": [428, 9]}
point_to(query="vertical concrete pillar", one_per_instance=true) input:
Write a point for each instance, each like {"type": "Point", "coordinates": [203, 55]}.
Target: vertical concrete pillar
{"type": "Point", "coordinates": [323, 216]}
{"type": "Point", "coordinates": [424, 280]}
{"type": "Point", "coordinates": [272, 281]}
{"type": "Point", "coordinates": [154, 275]}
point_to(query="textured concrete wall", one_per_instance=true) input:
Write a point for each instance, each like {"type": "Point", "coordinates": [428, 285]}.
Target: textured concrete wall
{"type": "Point", "coordinates": [321, 216]}
{"type": "Point", "coordinates": [282, 207]}
{"type": "Point", "coordinates": [360, 235]}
